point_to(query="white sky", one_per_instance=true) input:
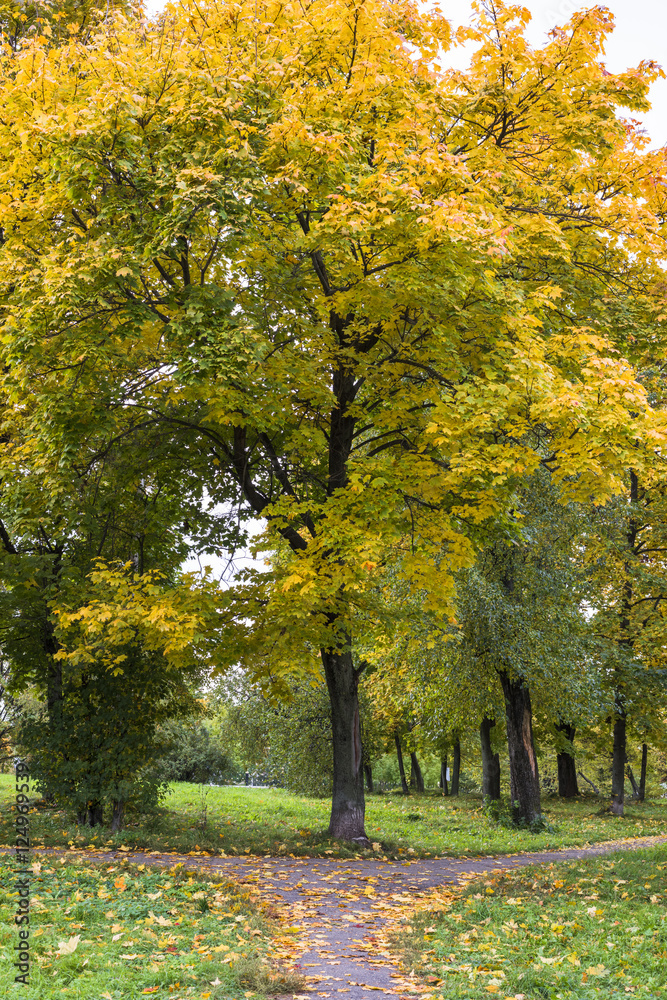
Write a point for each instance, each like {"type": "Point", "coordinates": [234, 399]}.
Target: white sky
{"type": "Point", "coordinates": [640, 33]}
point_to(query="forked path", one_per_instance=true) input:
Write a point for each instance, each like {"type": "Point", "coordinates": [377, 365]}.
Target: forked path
{"type": "Point", "coordinates": [339, 911]}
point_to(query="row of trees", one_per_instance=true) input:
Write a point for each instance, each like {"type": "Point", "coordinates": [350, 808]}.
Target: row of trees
{"type": "Point", "coordinates": [277, 259]}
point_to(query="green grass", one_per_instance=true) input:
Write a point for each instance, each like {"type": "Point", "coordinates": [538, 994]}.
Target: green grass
{"type": "Point", "coordinates": [140, 930]}
{"type": "Point", "coordinates": [272, 821]}
{"type": "Point", "coordinates": [585, 930]}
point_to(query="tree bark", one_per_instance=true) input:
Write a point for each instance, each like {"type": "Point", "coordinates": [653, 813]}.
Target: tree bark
{"type": "Point", "coordinates": [401, 767]}
{"type": "Point", "coordinates": [368, 771]}
{"type": "Point", "coordinates": [91, 815]}
{"type": "Point", "coordinates": [443, 775]}
{"type": "Point", "coordinates": [347, 803]}
{"type": "Point", "coordinates": [567, 771]}
{"type": "Point", "coordinates": [456, 769]}
{"type": "Point", "coordinates": [490, 761]}
{"type": "Point", "coordinates": [633, 782]}
{"type": "Point", "coordinates": [524, 775]}
{"type": "Point", "coordinates": [117, 816]}
{"type": "Point", "coordinates": [618, 764]}
{"type": "Point", "coordinates": [416, 776]}
{"type": "Point", "coordinates": [642, 775]}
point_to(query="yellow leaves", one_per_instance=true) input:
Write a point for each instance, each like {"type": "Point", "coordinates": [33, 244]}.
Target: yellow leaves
{"type": "Point", "coordinates": [68, 947]}
{"type": "Point", "coordinates": [598, 971]}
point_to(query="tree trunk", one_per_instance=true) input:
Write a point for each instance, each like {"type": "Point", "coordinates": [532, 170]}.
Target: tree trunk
{"type": "Point", "coordinates": [368, 771]}
{"type": "Point", "coordinates": [524, 775]}
{"type": "Point", "coordinates": [347, 803]}
{"type": "Point", "coordinates": [618, 765]}
{"type": "Point", "coordinates": [443, 775]}
{"type": "Point", "coordinates": [416, 776]}
{"type": "Point", "coordinates": [633, 782]}
{"type": "Point", "coordinates": [401, 767]}
{"type": "Point", "coordinates": [456, 769]}
{"type": "Point", "coordinates": [490, 761]}
{"type": "Point", "coordinates": [91, 815]}
{"type": "Point", "coordinates": [642, 775]}
{"type": "Point", "coordinates": [567, 772]}
{"type": "Point", "coordinates": [117, 816]}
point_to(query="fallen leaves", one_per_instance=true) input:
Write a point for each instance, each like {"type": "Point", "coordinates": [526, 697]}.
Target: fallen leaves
{"type": "Point", "coordinates": [68, 947]}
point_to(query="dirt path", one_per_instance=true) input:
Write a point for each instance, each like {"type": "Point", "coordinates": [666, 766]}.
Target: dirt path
{"type": "Point", "coordinates": [341, 908]}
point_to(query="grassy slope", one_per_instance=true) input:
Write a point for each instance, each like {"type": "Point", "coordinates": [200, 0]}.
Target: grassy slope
{"type": "Point", "coordinates": [272, 821]}
{"type": "Point", "coordinates": [140, 931]}
{"type": "Point", "coordinates": [580, 930]}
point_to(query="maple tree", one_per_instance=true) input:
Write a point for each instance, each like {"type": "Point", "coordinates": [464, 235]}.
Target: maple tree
{"type": "Point", "coordinates": [366, 291]}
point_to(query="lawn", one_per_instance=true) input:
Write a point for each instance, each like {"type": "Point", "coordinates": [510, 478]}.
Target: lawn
{"type": "Point", "coordinates": [121, 931]}
{"type": "Point", "coordinates": [580, 930]}
{"type": "Point", "coordinates": [233, 820]}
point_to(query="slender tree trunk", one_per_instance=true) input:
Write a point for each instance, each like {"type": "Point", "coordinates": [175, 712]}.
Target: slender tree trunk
{"type": "Point", "coordinates": [524, 775]}
{"type": "Point", "coordinates": [642, 775]}
{"type": "Point", "coordinates": [91, 815]}
{"type": "Point", "coordinates": [443, 775]}
{"type": "Point", "coordinates": [401, 767]}
{"type": "Point", "coordinates": [490, 761]}
{"type": "Point", "coordinates": [347, 804]}
{"type": "Point", "coordinates": [456, 769]}
{"type": "Point", "coordinates": [416, 776]}
{"type": "Point", "coordinates": [633, 782]}
{"type": "Point", "coordinates": [618, 764]}
{"type": "Point", "coordinates": [567, 771]}
{"type": "Point", "coordinates": [368, 771]}
{"type": "Point", "coordinates": [117, 816]}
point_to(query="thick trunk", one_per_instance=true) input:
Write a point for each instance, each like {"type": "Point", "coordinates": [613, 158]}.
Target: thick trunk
{"type": "Point", "coordinates": [443, 776]}
{"type": "Point", "coordinates": [117, 816]}
{"type": "Point", "coordinates": [456, 769]}
{"type": "Point", "coordinates": [642, 776]}
{"type": "Point", "coordinates": [401, 766]}
{"type": "Point", "coordinates": [567, 772]}
{"type": "Point", "coordinates": [618, 765]}
{"type": "Point", "coordinates": [416, 776]}
{"type": "Point", "coordinates": [347, 804]}
{"type": "Point", "coordinates": [368, 771]}
{"type": "Point", "coordinates": [524, 776]}
{"type": "Point", "coordinates": [490, 761]}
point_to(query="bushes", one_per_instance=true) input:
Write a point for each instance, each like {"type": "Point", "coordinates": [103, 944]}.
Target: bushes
{"type": "Point", "coordinates": [97, 747]}
{"type": "Point", "coordinates": [189, 753]}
